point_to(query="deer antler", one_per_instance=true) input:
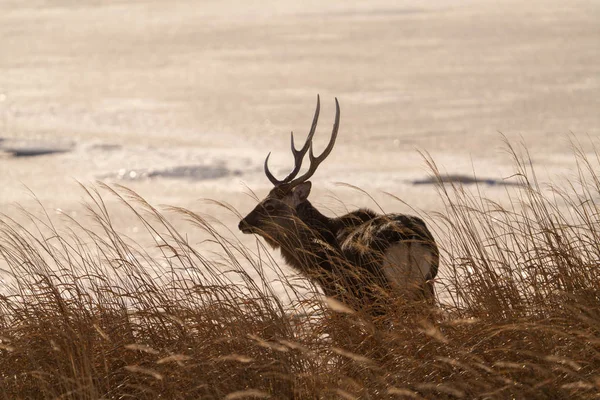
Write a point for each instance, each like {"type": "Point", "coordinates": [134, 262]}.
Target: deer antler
{"type": "Point", "coordinates": [299, 154]}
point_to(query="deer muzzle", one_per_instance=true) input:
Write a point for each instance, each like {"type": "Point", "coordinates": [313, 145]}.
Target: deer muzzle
{"type": "Point", "coordinates": [245, 227]}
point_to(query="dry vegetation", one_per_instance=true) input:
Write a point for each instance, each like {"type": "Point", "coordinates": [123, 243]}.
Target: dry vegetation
{"type": "Point", "coordinates": [91, 314]}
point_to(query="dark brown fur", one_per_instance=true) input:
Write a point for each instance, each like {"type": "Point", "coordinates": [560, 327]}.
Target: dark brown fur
{"type": "Point", "coordinates": [350, 257]}
{"type": "Point", "coordinates": [343, 255]}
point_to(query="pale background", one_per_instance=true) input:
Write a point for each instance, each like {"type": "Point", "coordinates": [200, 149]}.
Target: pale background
{"type": "Point", "coordinates": [138, 87]}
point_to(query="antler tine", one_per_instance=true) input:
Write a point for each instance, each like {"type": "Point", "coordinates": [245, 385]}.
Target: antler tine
{"type": "Point", "coordinates": [315, 161]}
{"type": "Point", "coordinates": [273, 180]}
{"type": "Point", "coordinates": [298, 154]}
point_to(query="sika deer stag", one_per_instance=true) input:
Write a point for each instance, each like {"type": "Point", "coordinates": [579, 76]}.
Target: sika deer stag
{"type": "Point", "coordinates": [358, 258]}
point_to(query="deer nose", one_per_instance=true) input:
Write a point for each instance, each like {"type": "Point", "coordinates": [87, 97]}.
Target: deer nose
{"type": "Point", "coordinates": [244, 226]}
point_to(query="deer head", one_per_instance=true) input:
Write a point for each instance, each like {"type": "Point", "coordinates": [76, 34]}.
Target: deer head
{"type": "Point", "coordinates": [276, 215]}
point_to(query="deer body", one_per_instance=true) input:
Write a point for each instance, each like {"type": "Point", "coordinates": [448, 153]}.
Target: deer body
{"type": "Point", "coordinates": [356, 257]}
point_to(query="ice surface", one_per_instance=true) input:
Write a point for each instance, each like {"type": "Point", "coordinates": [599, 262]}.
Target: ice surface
{"type": "Point", "coordinates": [163, 90]}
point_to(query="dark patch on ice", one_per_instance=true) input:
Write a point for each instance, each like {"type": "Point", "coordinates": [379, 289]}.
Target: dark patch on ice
{"type": "Point", "coordinates": [33, 147]}
{"type": "Point", "coordinates": [32, 151]}
{"type": "Point", "coordinates": [464, 180]}
{"type": "Point", "coordinates": [190, 172]}
{"type": "Point", "coordinates": [105, 147]}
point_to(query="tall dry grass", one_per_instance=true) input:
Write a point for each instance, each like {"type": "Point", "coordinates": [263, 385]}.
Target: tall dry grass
{"type": "Point", "coordinates": [87, 313]}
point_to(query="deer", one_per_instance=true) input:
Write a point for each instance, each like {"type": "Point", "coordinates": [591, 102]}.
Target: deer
{"type": "Point", "coordinates": [358, 258]}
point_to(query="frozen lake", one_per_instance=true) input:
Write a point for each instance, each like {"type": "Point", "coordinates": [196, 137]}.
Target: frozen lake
{"type": "Point", "coordinates": [183, 100]}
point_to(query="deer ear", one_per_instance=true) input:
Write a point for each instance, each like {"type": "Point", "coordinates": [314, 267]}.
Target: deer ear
{"type": "Point", "coordinates": [301, 192]}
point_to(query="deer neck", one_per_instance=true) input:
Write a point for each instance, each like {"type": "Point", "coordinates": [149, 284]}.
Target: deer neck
{"type": "Point", "coordinates": [313, 218]}
{"type": "Point", "coordinates": [313, 243]}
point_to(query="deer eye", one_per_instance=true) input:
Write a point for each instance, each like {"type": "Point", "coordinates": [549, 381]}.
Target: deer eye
{"type": "Point", "coordinates": [269, 207]}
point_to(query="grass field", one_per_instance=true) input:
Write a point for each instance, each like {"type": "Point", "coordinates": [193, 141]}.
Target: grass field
{"type": "Point", "coordinates": [87, 313]}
